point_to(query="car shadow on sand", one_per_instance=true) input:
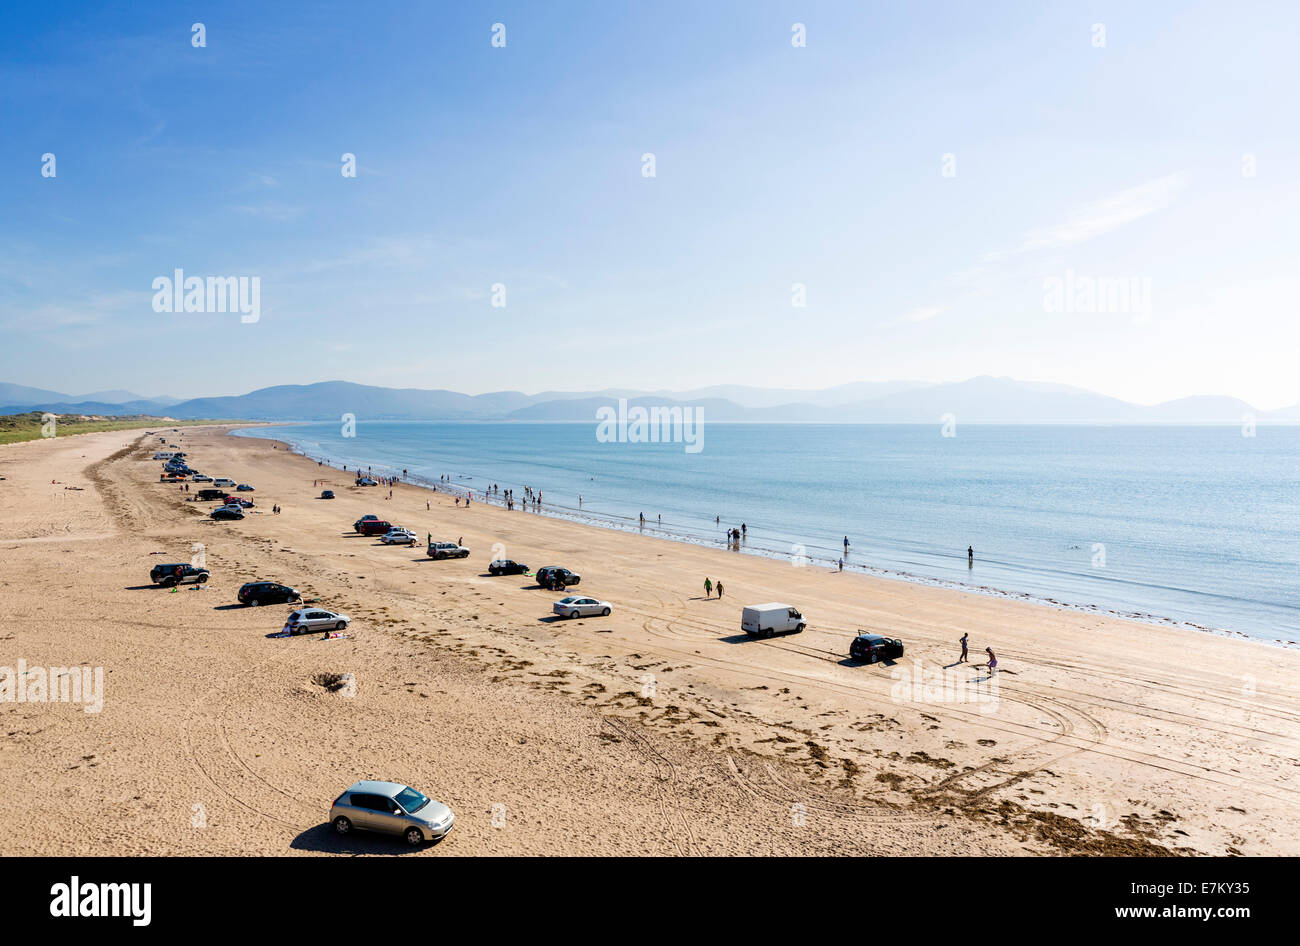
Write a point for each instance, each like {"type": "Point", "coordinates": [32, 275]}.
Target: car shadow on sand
{"type": "Point", "coordinates": [325, 840]}
{"type": "Point", "coordinates": [855, 662]}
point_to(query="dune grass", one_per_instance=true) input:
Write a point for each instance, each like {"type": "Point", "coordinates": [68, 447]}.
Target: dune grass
{"type": "Point", "coordinates": [15, 428]}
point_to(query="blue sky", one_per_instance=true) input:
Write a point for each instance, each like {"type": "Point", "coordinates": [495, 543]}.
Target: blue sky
{"type": "Point", "coordinates": [775, 165]}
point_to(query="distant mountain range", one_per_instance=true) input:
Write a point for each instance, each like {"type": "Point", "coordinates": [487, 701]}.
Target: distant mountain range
{"type": "Point", "coordinates": [982, 400]}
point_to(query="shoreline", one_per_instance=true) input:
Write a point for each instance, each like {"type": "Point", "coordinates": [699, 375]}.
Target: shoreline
{"type": "Point", "coordinates": [629, 525]}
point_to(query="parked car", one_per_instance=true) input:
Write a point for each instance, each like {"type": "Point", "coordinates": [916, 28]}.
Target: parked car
{"type": "Point", "coordinates": [874, 647]}
{"type": "Point", "coordinates": [256, 593]}
{"type": "Point", "coordinates": [504, 566]}
{"type": "Point", "coordinates": [170, 575]}
{"type": "Point", "coordinates": [368, 517]}
{"type": "Point", "coordinates": [553, 576]}
{"type": "Point", "coordinates": [764, 620]}
{"type": "Point", "coordinates": [366, 481]}
{"type": "Point", "coordinates": [202, 478]}
{"type": "Point", "coordinates": [391, 808]}
{"type": "Point", "coordinates": [577, 607]}
{"type": "Point", "coordinates": [227, 512]}
{"type": "Point", "coordinates": [223, 481]}
{"type": "Point", "coordinates": [243, 488]}
{"type": "Point", "coordinates": [375, 527]}
{"type": "Point", "coordinates": [207, 495]}
{"type": "Point", "coordinates": [314, 619]}
{"type": "Point", "coordinates": [241, 502]}
{"type": "Point", "coordinates": [327, 494]}
{"type": "Point", "coordinates": [442, 550]}
{"type": "Point", "coordinates": [399, 537]}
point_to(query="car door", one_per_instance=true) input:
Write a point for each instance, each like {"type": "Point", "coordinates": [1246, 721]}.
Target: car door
{"type": "Point", "coordinates": [388, 816]}
{"type": "Point", "coordinates": [365, 811]}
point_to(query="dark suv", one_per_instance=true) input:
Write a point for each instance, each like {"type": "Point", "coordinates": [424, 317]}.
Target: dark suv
{"type": "Point", "coordinates": [555, 577]}
{"type": "Point", "coordinates": [267, 592]}
{"type": "Point", "coordinates": [369, 517]}
{"type": "Point", "coordinates": [169, 575]}
{"type": "Point", "coordinates": [504, 566]}
{"type": "Point", "coordinates": [873, 647]}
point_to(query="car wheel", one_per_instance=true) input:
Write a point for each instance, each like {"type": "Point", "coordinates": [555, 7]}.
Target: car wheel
{"type": "Point", "coordinates": [572, 615]}
{"type": "Point", "coordinates": [168, 582]}
{"type": "Point", "coordinates": [872, 657]}
{"type": "Point", "coordinates": [201, 579]}
{"type": "Point", "coordinates": [253, 603]}
{"type": "Point", "coordinates": [768, 632]}
{"type": "Point", "coordinates": [414, 837]}
{"type": "Point", "coordinates": [342, 825]}
{"type": "Point", "coordinates": [799, 629]}
{"type": "Point", "coordinates": [339, 626]}
{"type": "Point", "coordinates": [605, 612]}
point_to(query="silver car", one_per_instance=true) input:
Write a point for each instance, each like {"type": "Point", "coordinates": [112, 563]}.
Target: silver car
{"type": "Point", "coordinates": [576, 606]}
{"type": "Point", "coordinates": [307, 620]}
{"type": "Point", "coordinates": [392, 808]}
{"type": "Point", "coordinates": [399, 537]}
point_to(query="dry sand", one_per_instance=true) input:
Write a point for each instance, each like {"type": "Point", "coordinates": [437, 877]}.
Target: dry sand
{"type": "Point", "coordinates": [658, 730]}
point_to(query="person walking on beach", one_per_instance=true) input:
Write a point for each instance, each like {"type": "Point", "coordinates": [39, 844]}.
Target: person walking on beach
{"type": "Point", "coordinates": [708, 588]}
{"type": "Point", "coordinates": [719, 589]}
{"type": "Point", "coordinates": [993, 660]}
{"type": "Point", "coordinates": [426, 505]}
{"type": "Point", "coordinates": [962, 658]}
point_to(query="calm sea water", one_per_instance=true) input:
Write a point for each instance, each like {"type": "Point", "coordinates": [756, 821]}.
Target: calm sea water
{"type": "Point", "coordinates": [1196, 525]}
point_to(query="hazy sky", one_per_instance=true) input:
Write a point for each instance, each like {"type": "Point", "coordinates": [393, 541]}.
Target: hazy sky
{"type": "Point", "coordinates": [1166, 157]}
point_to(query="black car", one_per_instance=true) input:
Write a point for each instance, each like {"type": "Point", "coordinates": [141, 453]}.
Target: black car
{"type": "Point", "coordinates": [243, 488]}
{"type": "Point", "coordinates": [227, 512]}
{"type": "Point", "coordinates": [555, 577]}
{"type": "Point", "coordinates": [207, 495]}
{"type": "Point", "coordinates": [169, 575]}
{"type": "Point", "coordinates": [267, 592]}
{"type": "Point", "coordinates": [327, 494]}
{"type": "Point", "coordinates": [504, 566]}
{"type": "Point", "coordinates": [873, 647]}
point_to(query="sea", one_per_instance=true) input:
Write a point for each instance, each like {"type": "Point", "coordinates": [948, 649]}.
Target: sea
{"type": "Point", "coordinates": [1186, 526]}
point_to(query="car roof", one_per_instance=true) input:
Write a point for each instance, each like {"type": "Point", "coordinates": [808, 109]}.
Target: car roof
{"type": "Point", "coordinates": [766, 607]}
{"type": "Point", "coordinates": [871, 637]}
{"type": "Point", "coordinates": [387, 789]}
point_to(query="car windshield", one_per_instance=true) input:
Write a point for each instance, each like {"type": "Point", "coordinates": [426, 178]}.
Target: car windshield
{"type": "Point", "coordinates": [411, 800]}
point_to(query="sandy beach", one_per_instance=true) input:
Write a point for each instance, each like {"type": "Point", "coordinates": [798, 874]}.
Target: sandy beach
{"type": "Point", "coordinates": [659, 730]}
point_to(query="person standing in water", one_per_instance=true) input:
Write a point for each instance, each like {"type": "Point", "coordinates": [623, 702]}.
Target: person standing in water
{"type": "Point", "coordinates": [970, 555]}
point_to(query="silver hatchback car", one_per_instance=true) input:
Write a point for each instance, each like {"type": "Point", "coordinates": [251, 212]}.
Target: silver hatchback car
{"type": "Point", "coordinates": [391, 808]}
{"type": "Point", "coordinates": [309, 620]}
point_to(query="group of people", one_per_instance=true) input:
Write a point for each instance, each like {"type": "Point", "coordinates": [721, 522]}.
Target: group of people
{"type": "Point", "coordinates": [709, 586]}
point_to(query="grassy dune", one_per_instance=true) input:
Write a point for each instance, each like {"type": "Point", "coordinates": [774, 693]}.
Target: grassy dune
{"type": "Point", "coordinates": [28, 426]}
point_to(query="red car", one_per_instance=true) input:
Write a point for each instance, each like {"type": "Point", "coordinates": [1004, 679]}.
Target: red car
{"type": "Point", "coordinates": [374, 527]}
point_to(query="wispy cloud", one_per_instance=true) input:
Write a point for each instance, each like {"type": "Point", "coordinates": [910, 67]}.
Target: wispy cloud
{"type": "Point", "coordinates": [1102, 216]}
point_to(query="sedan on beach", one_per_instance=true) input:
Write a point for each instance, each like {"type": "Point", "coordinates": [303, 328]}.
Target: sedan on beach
{"type": "Point", "coordinates": [241, 488]}
{"type": "Point", "coordinates": [308, 620]}
{"type": "Point", "coordinates": [255, 593]}
{"type": "Point", "coordinates": [327, 494]}
{"type": "Point", "coordinates": [578, 607]}
{"type": "Point", "coordinates": [504, 566]}
{"type": "Point", "coordinates": [399, 537]}
{"type": "Point", "coordinates": [391, 808]}
{"type": "Point", "coordinates": [227, 512]}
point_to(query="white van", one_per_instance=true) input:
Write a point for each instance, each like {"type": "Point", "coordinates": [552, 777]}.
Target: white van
{"type": "Point", "coordinates": [163, 455]}
{"type": "Point", "coordinates": [764, 620]}
{"type": "Point", "coordinates": [222, 481]}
